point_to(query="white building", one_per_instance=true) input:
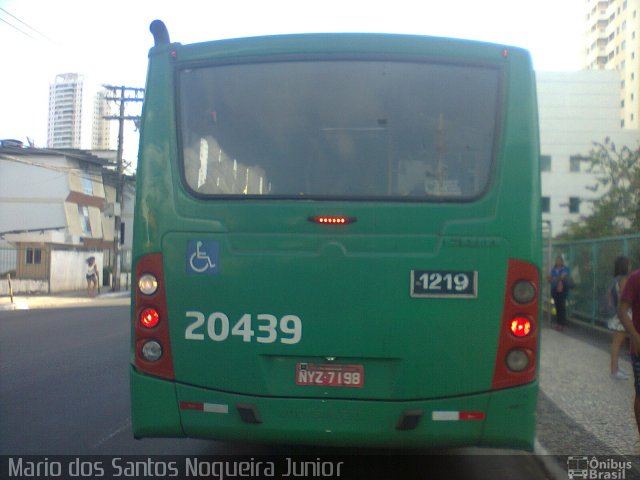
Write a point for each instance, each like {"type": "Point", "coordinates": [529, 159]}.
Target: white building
{"type": "Point", "coordinates": [65, 111]}
{"type": "Point", "coordinates": [54, 200]}
{"type": "Point", "coordinates": [576, 109]}
{"type": "Point", "coordinates": [53, 191]}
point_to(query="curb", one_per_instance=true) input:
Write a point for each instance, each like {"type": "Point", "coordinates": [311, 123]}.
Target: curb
{"type": "Point", "coordinates": [14, 306]}
{"type": "Point", "coordinates": [549, 462]}
{"type": "Point", "coordinates": [40, 302]}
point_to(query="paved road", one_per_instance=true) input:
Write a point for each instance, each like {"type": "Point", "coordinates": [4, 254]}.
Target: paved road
{"type": "Point", "coordinates": [65, 387]}
{"type": "Point", "coordinates": [64, 391]}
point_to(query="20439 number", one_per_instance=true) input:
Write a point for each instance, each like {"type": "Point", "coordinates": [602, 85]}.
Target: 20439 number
{"type": "Point", "coordinates": [268, 328]}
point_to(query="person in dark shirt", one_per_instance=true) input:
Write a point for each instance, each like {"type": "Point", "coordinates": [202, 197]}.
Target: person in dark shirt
{"type": "Point", "coordinates": [630, 302]}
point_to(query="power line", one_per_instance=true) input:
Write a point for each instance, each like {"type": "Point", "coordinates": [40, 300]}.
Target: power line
{"type": "Point", "coordinates": [26, 25]}
{"type": "Point", "coordinates": [21, 31]}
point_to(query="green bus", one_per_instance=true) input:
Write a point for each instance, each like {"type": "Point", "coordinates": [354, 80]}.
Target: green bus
{"type": "Point", "coordinates": [337, 241]}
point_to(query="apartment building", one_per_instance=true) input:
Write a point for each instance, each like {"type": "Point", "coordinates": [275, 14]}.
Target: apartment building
{"type": "Point", "coordinates": [61, 200]}
{"type": "Point", "coordinates": [65, 111]}
{"type": "Point", "coordinates": [612, 42]}
{"type": "Point", "coordinates": [101, 134]}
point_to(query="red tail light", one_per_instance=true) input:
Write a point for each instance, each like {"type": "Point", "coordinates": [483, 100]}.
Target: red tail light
{"type": "Point", "coordinates": [149, 317]}
{"type": "Point", "coordinates": [516, 360]}
{"type": "Point", "coordinates": [520, 326]}
{"type": "Point", "coordinates": [150, 320]}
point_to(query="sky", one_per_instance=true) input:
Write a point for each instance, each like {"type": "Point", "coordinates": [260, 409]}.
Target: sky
{"type": "Point", "coordinates": [108, 42]}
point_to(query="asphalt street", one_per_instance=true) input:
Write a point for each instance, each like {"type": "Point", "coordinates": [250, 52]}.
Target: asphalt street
{"type": "Point", "coordinates": [64, 391]}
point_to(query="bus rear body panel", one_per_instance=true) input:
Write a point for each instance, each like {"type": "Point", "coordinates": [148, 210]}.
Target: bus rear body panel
{"type": "Point", "coordinates": [508, 421]}
{"type": "Point", "coordinates": [270, 308]}
{"type": "Point", "coordinates": [336, 264]}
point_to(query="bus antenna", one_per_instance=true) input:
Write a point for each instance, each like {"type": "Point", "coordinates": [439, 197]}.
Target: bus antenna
{"type": "Point", "coordinates": [160, 33]}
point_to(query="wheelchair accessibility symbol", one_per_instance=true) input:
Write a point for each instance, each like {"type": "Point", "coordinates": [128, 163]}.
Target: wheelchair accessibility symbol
{"type": "Point", "coordinates": [202, 257]}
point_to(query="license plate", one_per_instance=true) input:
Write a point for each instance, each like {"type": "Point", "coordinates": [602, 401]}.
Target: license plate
{"type": "Point", "coordinates": [325, 375]}
{"type": "Point", "coordinates": [441, 283]}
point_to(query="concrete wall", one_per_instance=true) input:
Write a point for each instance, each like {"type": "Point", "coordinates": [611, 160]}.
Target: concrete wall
{"type": "Point", "coordinates": [21, 287]}
{"type": "Point", "coordinates": [68, 270]}
{"type": "Point", "coordinates": [32, 196]}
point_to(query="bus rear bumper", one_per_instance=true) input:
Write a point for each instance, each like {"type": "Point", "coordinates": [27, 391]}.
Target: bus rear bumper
{"type": "Point", "coordinates": [499, 419]}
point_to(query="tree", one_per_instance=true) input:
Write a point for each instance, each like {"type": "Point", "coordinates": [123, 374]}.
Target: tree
{"type": "Point", "coordinates": [617, 210]}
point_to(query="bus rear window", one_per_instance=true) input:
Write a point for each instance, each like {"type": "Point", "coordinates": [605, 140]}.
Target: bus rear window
{"type": "Point", "coordinates": [379, 130]}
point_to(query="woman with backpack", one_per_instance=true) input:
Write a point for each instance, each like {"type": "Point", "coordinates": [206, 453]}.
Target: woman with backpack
{"type": "Point", "coordinates": [559, 280]}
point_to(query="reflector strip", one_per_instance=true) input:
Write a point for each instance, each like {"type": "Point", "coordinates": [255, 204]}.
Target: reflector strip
{"type": "Point", "coordinates": [445, 416]}
{"type": "Point", "coordinates": [216, 408]}
{"type": "Point", "coordinates": [191, 406]}
{"type": "Point", "coordinates": [205, 407]}
{"type": "Point", "coordinates": [472, 416]}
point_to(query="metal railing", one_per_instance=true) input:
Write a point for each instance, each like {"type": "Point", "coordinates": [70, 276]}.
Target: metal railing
{"type": "Point", "coordinates": [591, 265]}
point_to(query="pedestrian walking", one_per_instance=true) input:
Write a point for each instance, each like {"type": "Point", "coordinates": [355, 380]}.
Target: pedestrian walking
{"type": "Point", "coordinates": [93, 277]}
{"type": "Point", "coordinates": [620, 274]}
{"type": "Point", "coordinates": [630, 303]}
{"type": "Point", "coordinates": [559, 280]}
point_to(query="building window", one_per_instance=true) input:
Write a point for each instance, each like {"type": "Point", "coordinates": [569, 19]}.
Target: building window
{"type": "Point", "coordinates": [546, 204]}
{"type": "Point", "coordinates": [574, 163]}
{"type": "Point", "coordinates": [574, 205]}
{"type": "Point", "coordinates": [545, 163]}
{"type": "Point", "coordinates": [87, 184]}
{"type": "Point", "coordinates": [34, 256]}
{"type": "Point", "coordinates": [85, 221]}
{"type": "Point", "coordinates": [87, 179]}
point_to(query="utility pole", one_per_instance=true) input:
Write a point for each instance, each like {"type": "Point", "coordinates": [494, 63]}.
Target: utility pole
{"type": "Point", "coordinates": [121, 95]}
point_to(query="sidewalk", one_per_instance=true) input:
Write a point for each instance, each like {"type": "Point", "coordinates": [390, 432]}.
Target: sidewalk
{"type": "Point", "coordinates": [63, 300]}
{"type": "Point", "coordinates": [574, 375]}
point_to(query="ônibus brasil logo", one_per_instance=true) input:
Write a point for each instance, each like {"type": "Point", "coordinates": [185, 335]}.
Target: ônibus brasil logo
{"type": "Point", "coordinates": [593, 468]}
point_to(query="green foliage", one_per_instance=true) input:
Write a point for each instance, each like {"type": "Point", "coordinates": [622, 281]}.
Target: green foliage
{"type": "Point", "coordinates": [617, 210]}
